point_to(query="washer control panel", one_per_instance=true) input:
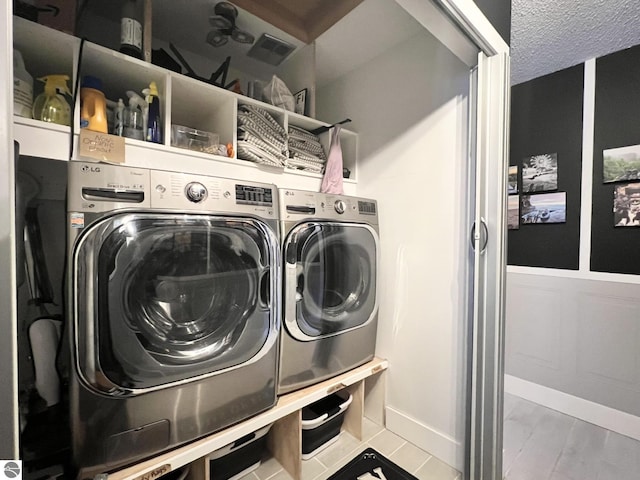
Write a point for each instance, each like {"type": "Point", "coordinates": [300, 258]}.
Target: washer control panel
{"type": "Point", "coordinates": [189, 192]}
{"type": "Point", "coordinates": [98, 187]}
{"type": "Point", "coordinates": [254, 195]}
{"type": "Point", "coordinates": [195, 192]}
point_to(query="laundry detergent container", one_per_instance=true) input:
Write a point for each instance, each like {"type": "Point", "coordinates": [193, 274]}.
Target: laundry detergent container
{"type": "Point", "coordinates": [321, 422]}
{"type": "Point", "coordinates": [240, 457]}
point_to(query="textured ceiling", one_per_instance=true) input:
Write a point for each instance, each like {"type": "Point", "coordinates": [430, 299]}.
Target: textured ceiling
{"type": "Point", "coordinates": [549, 35]}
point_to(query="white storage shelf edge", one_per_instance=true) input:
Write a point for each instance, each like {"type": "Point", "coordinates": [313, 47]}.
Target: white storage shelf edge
{"type": "Point", "coordinates": [52, 141]}
{"type": "Point", "coordinates": [184, 101]}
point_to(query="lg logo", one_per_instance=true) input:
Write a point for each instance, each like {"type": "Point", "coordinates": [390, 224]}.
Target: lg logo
{"type": "Point", "coordinates": [11, 469]}
{"type": "Point", "coordinates": [87, 168]}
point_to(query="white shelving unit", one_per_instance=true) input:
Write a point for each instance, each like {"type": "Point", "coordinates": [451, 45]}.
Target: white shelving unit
{"type": "Point", "coordinates": [189, 102]}
{"type": "Point", "coordinates": [183, 101]}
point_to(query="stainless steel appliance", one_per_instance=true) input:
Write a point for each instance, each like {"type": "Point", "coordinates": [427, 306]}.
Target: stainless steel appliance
{"type": "Point", "coordinates": [174, 300]}
{"type": "Point", "coordinates": [330, 270]}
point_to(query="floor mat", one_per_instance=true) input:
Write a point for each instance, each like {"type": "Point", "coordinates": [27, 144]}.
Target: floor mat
{"type": "Point", "coordinates": [370, 465]}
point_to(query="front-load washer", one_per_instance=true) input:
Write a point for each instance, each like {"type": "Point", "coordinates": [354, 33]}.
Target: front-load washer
{"type": "Point", "coordinates": [174, 299]}
{"type": "Point", "coordinates": [330, 270]}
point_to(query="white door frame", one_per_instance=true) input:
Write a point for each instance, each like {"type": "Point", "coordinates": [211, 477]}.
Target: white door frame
{"type": "Point", "coordinates": [461, 27]}
{"type": "Point", "coordinates": [486, 364]}
{"type": "Point", "coordinates": [8, 311]}
{"type": "Point", "coordinates": [453, 18]}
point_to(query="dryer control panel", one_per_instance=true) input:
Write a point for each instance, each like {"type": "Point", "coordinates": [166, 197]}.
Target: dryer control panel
{"type": "Point", "coordinates": [299, 204]}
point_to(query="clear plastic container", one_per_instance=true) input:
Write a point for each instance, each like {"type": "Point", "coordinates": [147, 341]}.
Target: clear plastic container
{"type": "Point", "coordinates": [133, 123]}
{"type": "Point", "coordinates": [193, 139]}
{"type": "Point", "coordinates": [22, 87]}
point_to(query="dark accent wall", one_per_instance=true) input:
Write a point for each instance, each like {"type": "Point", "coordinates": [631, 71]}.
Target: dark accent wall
{"type": "Point", "coordinates": [546, 117]}
{"type": "Point", "coordinates": [498, 12]}
{"type": "Point", "coordinates": [617, 124]}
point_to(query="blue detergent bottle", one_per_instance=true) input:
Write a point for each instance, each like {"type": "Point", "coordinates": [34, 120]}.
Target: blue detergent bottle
{"type": "Point", "coordinates": [154, 122]}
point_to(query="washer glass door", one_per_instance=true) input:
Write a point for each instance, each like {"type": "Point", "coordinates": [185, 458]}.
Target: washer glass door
{"type": "Point", "coordinates": [176, 296]}
{"type": "Point", "coordinates": [330, 278]}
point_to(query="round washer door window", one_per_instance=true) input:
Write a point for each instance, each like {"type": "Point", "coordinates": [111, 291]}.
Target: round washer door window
{"type": "Point", "coordinates": [180, 296]}
{"type": "Point", "coordinates": [334, 287]}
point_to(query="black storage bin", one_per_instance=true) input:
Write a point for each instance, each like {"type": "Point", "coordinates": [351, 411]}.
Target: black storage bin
{"type": "Point", "coordinates": [321, 422]}
{"type": "Point", "coordinates": [240, 457]}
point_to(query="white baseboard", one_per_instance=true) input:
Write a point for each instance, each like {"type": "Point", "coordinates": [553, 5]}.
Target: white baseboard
{"type": "Point", "coordinates": [428, 439]}
{"type": "Point", "coordinates": [606, 417]}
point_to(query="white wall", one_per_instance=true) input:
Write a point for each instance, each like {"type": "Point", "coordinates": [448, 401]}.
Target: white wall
{"type": "Point", "coordinates": [409, 106]}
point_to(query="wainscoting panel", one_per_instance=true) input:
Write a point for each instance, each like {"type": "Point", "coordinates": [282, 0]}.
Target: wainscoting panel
{"type": "Point", "coordinates": [608, 343]}
{"type": "Point", "coordinates": [580, 337]}
{"type": "Point", "coordinates": [535, 336]}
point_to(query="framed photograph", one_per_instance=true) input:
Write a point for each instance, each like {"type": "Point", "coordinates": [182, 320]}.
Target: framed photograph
{"type": "Point", "coordinates": [540, 173]}
{"type": "Point", "coordinates": [301, 102]}
{"type": "Point", "coordinates": [621, 164]}
{"type": "Point", "coordinates": [513, 179]}
{"type": "Point", "coordinates": [513, 212]}
{"type": "Point", "coordinates": [544, 208]}
{"type": "Point", "coordinates": [626, 205]}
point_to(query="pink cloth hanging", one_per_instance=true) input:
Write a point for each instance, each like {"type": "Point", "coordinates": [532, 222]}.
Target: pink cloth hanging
{"type": "Point", "coordinates": [332, 180]}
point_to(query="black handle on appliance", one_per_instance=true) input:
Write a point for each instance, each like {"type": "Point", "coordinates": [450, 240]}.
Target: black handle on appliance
{"type": "Point", "coordinates": [109, 194]}
{"type": "Point", "coordinates": [300, 284]}
{"type": "Point", "coordinates": [265, 289]}
{"type": "Point", "coordinates": [301, 209]}
{"type": "Point", "coordinates": [291, 255]}
{"type": "Point", "coordinates": [320, 130]}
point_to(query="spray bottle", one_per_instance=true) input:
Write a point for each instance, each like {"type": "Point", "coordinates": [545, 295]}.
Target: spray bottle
{"type": "Point", "coordinates": [51, 106]}
{"type": "Point", "coordinates": [115, 116]}
{"type": "Point", "coordinates": [154, 125]}
{"type": "Point", "coordinates": [118, 118]}
{"type": "Point", "coordinates": [135, 116]}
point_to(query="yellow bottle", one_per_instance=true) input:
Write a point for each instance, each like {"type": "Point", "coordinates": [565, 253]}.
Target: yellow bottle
{"type": "Point", "coordinates": [51, 106]}
{"type": "Point", "coordinates": [93, 105]}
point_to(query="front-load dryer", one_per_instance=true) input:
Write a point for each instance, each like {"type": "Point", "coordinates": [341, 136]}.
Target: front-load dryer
{"type": "Point", "coordinates": [330, 281]}
{"type": "Point", "coordinates": [174, 301]}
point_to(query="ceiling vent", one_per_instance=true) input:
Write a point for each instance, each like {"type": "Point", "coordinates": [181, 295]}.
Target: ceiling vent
{"type": "Point", "coordinates": [270, 49]}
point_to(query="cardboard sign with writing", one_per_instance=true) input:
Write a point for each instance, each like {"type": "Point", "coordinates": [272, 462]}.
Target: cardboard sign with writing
{"type": "Point", "coordinates": [102, 147]}
{"type": "Point", "coordinates": [155, 473]}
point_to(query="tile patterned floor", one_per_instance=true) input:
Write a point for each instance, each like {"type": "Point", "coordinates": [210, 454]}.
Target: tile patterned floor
{"type": "Point", "coordinates": [543, 444]}
{"type": "Point", "coordinates": [329, 461]}
{"type": "Point", "coordinates": [539, 444]}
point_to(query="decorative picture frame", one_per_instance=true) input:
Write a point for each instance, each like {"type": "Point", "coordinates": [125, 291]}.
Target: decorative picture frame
{"type": "Point", "coordinates": [626, 205]}
{"type": "Point", "coordinates": [540, 173]}
{"type": "Point", "coordinates": [621, 164]}
{"type": "Point", "coordinates": [543, 208]}
{"type": "Point", "coordinates": [513, 179]}
{"type": "Point", "coordinates": [513, 212]}
{"type": "Point", "coordinates": [301, 101]}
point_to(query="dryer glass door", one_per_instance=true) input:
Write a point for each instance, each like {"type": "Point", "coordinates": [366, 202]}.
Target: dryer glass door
{"type": "Point", "coordinates": [330, 278]}
{"type": "Point", "coordinates": [176, 296]}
